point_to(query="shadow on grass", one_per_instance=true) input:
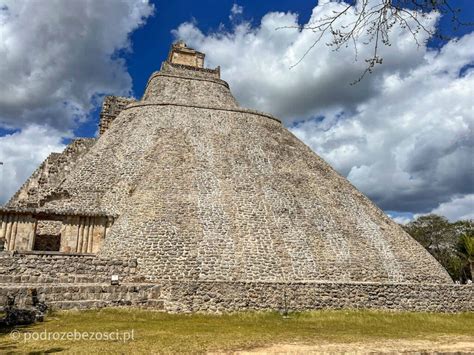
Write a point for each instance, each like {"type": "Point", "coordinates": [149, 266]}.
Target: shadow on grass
{"type": "Point", "coordinates": [13, 346]}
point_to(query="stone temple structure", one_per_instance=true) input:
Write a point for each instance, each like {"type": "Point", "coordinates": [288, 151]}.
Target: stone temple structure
{"type": "Point", "coordinates": [196, 203]}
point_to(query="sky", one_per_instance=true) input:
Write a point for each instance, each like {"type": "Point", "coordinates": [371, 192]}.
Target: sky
{"type": "Point", "coordinates": [403, 135]}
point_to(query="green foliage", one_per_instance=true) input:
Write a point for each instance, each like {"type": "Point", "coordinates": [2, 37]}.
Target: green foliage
{"type": "Point", "coordinates": [452, 244]}
{"type": "Point", "coordinates": [466, 250]}
{"type": "Point", "coordinates": [466, 246]}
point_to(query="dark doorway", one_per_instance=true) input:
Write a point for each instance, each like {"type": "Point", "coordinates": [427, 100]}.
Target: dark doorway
{"type": "Point", "coordinates": [47, 242]}
{"type": "Point", "coordinates": [48, 234]}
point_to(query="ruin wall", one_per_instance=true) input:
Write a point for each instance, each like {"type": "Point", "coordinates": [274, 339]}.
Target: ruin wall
{"type": "Point", "coordinates": [50, 174]}
{"type": "Point", "coordinates": [35, 267]}
{"type": "Point", "coordinates": [83, 296]}
{"type": "Point", "coordinates": [111, 108]}
{"type": "Point", "coordinates": [214, 296]}
{"type": "Point", "coordinates": [218, 297]}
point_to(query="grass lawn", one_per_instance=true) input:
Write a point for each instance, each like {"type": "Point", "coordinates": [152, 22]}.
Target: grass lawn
{"type": "Point", "coordinates": [160, 332]}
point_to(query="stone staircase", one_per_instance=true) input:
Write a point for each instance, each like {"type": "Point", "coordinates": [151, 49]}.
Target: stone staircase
{"type": "Point", "coordinates": [73, 281]}
{"type": "Point", "coordinates": [54, 267]}
{"type": "Point", "coordinates": [83, 296]}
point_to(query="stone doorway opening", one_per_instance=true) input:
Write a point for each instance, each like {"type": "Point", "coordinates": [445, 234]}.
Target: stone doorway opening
{"type": "Point", "coordinates": [47, 243]}
{"type": "Point", "coordinates": [48, 235]}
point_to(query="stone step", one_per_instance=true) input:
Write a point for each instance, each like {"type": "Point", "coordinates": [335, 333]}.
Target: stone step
{"type": "Point", "coordinates": [61, 278]}
{"type": "Point", "coordinates": [86, 295]}
{"type": "Point", "coordinates": [91, 304]}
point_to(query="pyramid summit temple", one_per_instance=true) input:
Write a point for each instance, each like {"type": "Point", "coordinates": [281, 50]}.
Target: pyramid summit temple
{"type": "Point", "coordinates": [188, 202]}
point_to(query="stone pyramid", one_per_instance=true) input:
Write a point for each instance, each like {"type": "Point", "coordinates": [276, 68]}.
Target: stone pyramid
{"type": "Point", "coordinates": [195, 187]}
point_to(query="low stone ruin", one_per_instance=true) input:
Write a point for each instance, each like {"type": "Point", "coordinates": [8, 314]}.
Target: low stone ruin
{"type": "Point", "coordinates": [25, 311]}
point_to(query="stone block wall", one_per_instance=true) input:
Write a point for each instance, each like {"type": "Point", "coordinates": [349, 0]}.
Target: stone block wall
{"type": "Point", "coordinates": [181, 54]}
{"type": "Point", "coordinates": [248, 296]}
{"type": "Point", "coordinates": [111, 107]}
{"type": "Point", "coordinates": [215, 296]}
{"type": "Point", "coordinates": [76, 234]}
{"type": "Point", "coordinates": [62, 268]}
{"type": "Point", "coordinates": [60, 297]}
{"type": "Point", "coordinates": [199, 87]}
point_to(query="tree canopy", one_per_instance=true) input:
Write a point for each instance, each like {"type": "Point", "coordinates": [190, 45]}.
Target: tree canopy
{"type": "Point", "coordinates": [452, 244]}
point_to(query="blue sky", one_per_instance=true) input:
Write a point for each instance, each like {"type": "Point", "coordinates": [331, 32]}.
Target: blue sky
{"type": "Point", "coordinates": [403, 136]}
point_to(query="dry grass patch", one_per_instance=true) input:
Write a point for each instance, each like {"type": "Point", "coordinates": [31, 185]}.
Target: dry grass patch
{"type": "Point", "coordinates": [161, 332]}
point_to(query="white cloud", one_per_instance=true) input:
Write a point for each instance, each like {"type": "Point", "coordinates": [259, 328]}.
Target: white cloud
{"type": "Point", "coordinates": [22, 152]}
{"type": "Point", "coordinates": [57, 58]}
{"type": "Point", "coordinates": [461, 208]}
{"type": "Point", "coordinates": [401, 219]}
{"type": "Point", "coordinates": [235, 11]}
{"type": "Point", "coordinates": [409, 146]}
{"type": "Point", "coordinates": [256, 62]}
{"type": "Point", "coordinates": [403, 135]}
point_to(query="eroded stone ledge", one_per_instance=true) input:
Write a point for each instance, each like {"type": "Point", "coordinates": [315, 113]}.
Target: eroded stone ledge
{"type": "Point", "coordinates": [239, 110]}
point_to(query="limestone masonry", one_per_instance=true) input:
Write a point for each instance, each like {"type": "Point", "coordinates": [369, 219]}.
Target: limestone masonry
{"type": "Point", "coordinates": [198, 204]}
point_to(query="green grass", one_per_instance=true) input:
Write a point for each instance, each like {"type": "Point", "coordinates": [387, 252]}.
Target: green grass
{"type": "Point", "coordinates": [161, 332]}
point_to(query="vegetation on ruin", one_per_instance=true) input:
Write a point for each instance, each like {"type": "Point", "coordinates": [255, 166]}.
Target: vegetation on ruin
{"type": "Point", "coordinates": [161, 332]}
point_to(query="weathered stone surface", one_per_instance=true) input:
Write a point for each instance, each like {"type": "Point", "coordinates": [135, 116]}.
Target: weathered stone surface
{"type": "Point", "coordinates": [183, 55]}
{"type": "Point", "coordinates": [300, 296]}
{"type": "Point", "coordinates": [111, 108]}
{"type": "Point", "coordinates": [64, 268]}
{"type": "Point", "coordinates": [50, 174]}
{"type": "Point", "coordinates": [211, 296]}
{"type": "Point", "coordinates": [205, 190]}
{"type": "Point", "coordinates": [83, 296]}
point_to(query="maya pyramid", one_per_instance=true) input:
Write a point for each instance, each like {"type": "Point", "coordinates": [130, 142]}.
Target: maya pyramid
{"type": "Point", "coordinates": [195, 187]}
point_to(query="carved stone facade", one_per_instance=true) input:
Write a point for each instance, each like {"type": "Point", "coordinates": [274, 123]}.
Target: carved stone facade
{"type": "Point", "coordinates": [50, 174]}
{"type": "Point", "coordinates": [75, 234]}
{"type": "Point", "coordinates": [111, 108]}
{"type": "Point", "coordinates": [181, 54]}
{"type": "Point", "coordinates": [212, 200]}
{"type": "Point", "coordinates": [17, 231]}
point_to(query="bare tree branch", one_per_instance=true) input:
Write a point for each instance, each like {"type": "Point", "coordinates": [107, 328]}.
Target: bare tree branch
{"type": "Point", "coordinates": [374, 20]}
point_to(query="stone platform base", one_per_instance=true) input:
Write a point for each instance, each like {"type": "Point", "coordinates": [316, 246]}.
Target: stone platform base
{"type": "Point", "coordinates": [215, 296]}
{"type": "Point", "coordinates": [300, 296]}
{"type": "Point", "coordinates": [83, 296]}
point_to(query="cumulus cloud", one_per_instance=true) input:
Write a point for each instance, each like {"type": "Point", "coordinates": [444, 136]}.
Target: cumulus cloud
{"type": "Point", "coordinates": [57, 58]}
{"type": "Point", "coordinates": [257, 60]}
{"type": "Point", "coordinates": [401, 219]}
{"type": "Point", "coordinates": [403, 135]}
{"type": "Point", "coordinates": [457, 208]}
{"type": "Point", "coordinates": [410, 146]}
{"type": "Point", "coordinates": [21, 152]}
{"type": "Point", "coordinates": [235, 11]}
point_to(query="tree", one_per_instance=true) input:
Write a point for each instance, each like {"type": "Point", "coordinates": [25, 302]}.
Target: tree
{"type": "Point", "coordinates": [433, 232]}
{"type": "Point", "coordinates": [376, 19]}
{"type": "Point", "coordinates": [466, 250]}
{"type": "Point", "coordinates": [451, 244]}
